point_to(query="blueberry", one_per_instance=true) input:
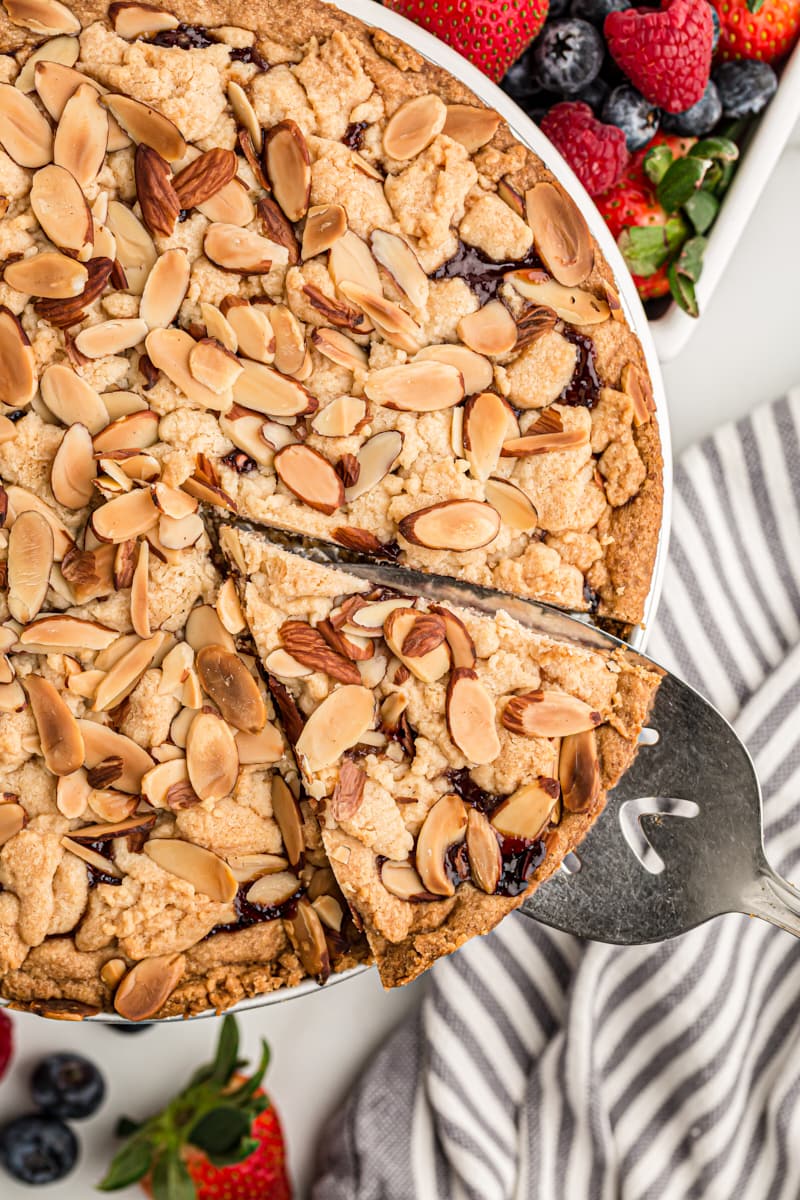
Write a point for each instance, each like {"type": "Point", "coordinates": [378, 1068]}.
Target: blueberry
{"type": "Point", "coordinates": [567, 56]}
{"type": "Point", "coordinates": [717, 29]}
{"type": "Point", "coordinates": [37, 1149]}
{"type": "Point", "coordinates": [594, 94]}
{"type": "Point", "coordinates": [518, 81]}
{"type": "Point", "coordinates": [68, 1086]}
{"type": "Point", "coordinates": [745, 87]}
{"type": "Point", "coordinates": [558, 8]}
{"type": "Point", "coordinates": [636, 117]}
{"type": "Point", "coordinates": [698, 120]}
{"type": "Point", "coordinates": [596, 11]}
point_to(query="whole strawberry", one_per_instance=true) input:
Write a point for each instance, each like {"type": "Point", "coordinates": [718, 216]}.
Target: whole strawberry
{"type": "Point", "coordinates": [596, 152]}
{"type": "Point", "coordinates": [219, 1139]}
{"type": "Point", "coordinates": [666, 52]}
{"type": "Point", "coordinates": [492, 34]}
{"type": "Point", "coordinates": [763, 29]}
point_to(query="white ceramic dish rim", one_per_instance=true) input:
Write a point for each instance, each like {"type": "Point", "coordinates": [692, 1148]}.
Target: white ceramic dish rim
{"type": "Point", "coordinates": [528, 133]}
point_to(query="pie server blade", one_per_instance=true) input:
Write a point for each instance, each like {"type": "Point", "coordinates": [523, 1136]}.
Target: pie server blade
{"type": "Point", "coordinates": [680, 840]}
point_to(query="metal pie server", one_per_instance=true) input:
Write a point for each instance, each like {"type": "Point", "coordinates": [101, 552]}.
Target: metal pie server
{"type": "Point", "coordinates": [680, 840]}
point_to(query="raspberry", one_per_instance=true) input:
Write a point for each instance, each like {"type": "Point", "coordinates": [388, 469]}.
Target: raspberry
{"type": "Point", "coordinates": [666, 52]}
{"type": "Point", "coordinates": [596, 152]}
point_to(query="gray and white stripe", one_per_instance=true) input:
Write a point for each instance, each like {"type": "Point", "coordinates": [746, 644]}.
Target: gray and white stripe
{"type": "Point", "coordinates": [543, 1068]}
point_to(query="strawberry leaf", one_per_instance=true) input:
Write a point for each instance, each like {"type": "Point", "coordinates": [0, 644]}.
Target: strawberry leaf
{"type": "Point", "coordinates": [681, 181]}
{"type": "Point", "coordinates": [218, 1131]}
{"type": "Point", "coordinates": [227, 1056]}
{"type": "Point", "coordinates": [754, 5]}
{"type": "Point", "coordinates": [701, 209]}
{"type": "Point", "coordinates": [684, 273]}
{"type": "Point", "coordinates": [243, 1150]}
{"type": "Point", "coordinates": [171, 1179]}
{"type": "Point", "coordinates": [719, 148]}
{"type": "Point", "coordinates": [243, 1093]}
{"type": "Point", "coordinates": [131, 1164]}
{"type": "Point", "coordinates": [645, 248]}
{"type": "Point", "coordinates": [657, 162]}
{"type": "Point", "coordinates": [127, 1128]}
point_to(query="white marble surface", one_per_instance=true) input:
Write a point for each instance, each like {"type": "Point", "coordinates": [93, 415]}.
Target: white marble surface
{"type": "Point", "coordinates": [746, 349]}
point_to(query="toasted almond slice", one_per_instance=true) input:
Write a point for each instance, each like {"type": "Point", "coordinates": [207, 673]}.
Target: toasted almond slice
{"type": "Point", "coordinates": [636, 383]}
{"type": "Point", "coordinates": [416, 386]}
{"type": "Point", "coordinates": [30, 560]}
{"type": "Point", "coordinates": [111, 337]}
{"type": "Point", "coordinates": [263, 390]}
{"type": "Point", "coordinates": [20, 500]}
{"type": "Point", "coordinates": [393, 321]}
{"type": "Point", "coordinates": [290, 345]}
{"type": "Point", "coordinates": [276, 226]}
{"type": "Point", "coordinates": [273, 889]}
{"type": "Point", "coordinates": [85, 683]}
{"type": "Point", "coordinates": [123, 642]}
{"type": "Point", "coordinates": [280, 662]}
{"type": "Point", "coordinates": [156, 782]}
{"type": "Point", "coordinates": [471, 719]}
{"type": "Point", "coordinates": [457, 525]}
{"type": "Point", "coordinates": [170, 351]}
{"type": "Point", "coordinates": [544, 713]}
{"type": "Point", "coordinates": [444, 826]}
{"type": "Point", "coordinates": [488, 422]}
{"type": "Point", "coordinates": [276, 435]}
{"type": "Point", "coordinates": [212, 759]}
{"type": "Point", "coordinates": [572, 304]}
{"type": "Point", "coordinates": [560, 233]}
{"type": "Point", "coordinates": [228, 608]}
{"type": "Point", "coordinates": [509, 194]}
{"type": "Point", "coordinates": [126, 673]}
{"type": "Point", "coordinates": [307, 935]}
{"type": "Point", "coordinates": [135, 431]}
{"type": "Point", "coordinates": [140, 612]}
{"type": "Point", "coordinates": [72, 794]}
{"type": "Point", "coordinates": [99, 862]}
{"type": "Point", "coordinates": [131, 20]}
{"type": "Point", "coordinates": [25, 133]}
{"type": "Point", "coordinates": [399, 260]}
{"type": "Point", "coordinates": [231, 687]}
{"type": "Point", "coordinates": [73, 471]}
{"type": "Point", "coordinates": [72, 400]}
{"type": "Point", "coordinates": [340, 417]}
{"type": "Point", "coordinates": [218, 326]}
{"type": "Point", "coordinates": [579, 770]}
{"type": "Point", "coordinates": [544, 443]}
{"type": "Point", "coordinates": [49, 274]}
{"type": "Point", "coordinates": [526, 813]}
{"type": "Point", "coordinates": [252, 332]}
{"type": "Point", "coordinates": [59, 631]}
{"type": "Point", "coordinates": [413, 126]}
{"type": "Point", "coordinates": [125, 517]}
{"type": "Point", "coordinates": [242, 250]}
{"type": "Point", "coordinates": [231, 205]}
{"type": "Point", "coordinates": [135, 248]}
{"type": "Point", "coordinates": [59, 734]}
{"type": "Point", "coordinates": [339, 348]}
{"type": "Point", "coordinates": [244, 430]}
{"type": "Point", "coordinates": [483, 848]}
{"type": "Point", "coordinates": [310, 477]}
{"type": "Point", "coordinates": [113, 972]}
{"type": "Point", "coordinates": [400, 626]}
{"type": "Point", "coordinates": [12, 697]}
{"type": "Point", "coordinates": [470, 125]}
{"type": "Point", "coordinates": [329, 911]}
{"type": "Point", "coordinates": [491, 330]}
{"type": "Point", "coordinates": [350, 261]}
{"type": "Point", "coordinates": [180, 533]}
{"type": "Point", "coordinates": [18, 379]}
{"type": "Point", "coordinates": [335, 726]}
{"type": "Point", "coordinates": [375, 459]}
{"type": "Point", "coordinates": [82, 135]}
{"type": "Point", "coordinates": [213, 366]}
{"type": "Point", "coordinates": [462, 647]}
{"type": "Point", "coordinates": [204, 870]}
{"type": "Point", "coordinates": [172, 501]}
{"type": "Point", "coordinates": [101, 743]}
{"type": "Point", "coordinates": [260, 749]}
{"type": "Point", "coordinates": [110, 805]}
{"type": "Point", "coordinates": [515, 508]}
{"type": "Point", "coordinates": [60, 207]}
{"type": "Point", "coordinates": [42, 16]}
{"type": "Point", "coordinates": [175, 668]}
{"type": "Point", "coordinates": [148, 985]}
{"type": "Point", "coordinates": [245, 113]}
{"type": "Point", "coordinates": [147, 126]}
{"type": "Point", "coordinates": [165, 289]}
{"type": "Point", "coordinates": [204, 177]}
{"type": "Point", "coordinates": [286, 812]}
{"type": "Point", "coordinates": [107, 831]}
{"type": "Point", "coordinates": [400, 878]}
{"type": "Point", "coordinates": [204, 628]}
{"type": "Point", "coordinates": [288, 167]}
{"type": "Point", "coordinates": [325, 224]}
{"type": "Point", "coordinates": [369, 619]}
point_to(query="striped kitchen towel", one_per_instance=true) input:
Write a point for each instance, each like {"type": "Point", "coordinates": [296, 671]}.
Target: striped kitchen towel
{"type": "Point", "coordinates": [545, 1068]}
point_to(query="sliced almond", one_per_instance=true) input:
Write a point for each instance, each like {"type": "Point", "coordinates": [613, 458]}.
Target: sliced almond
{"type": "Point", "coordinates": [204, 177]}
{"type": "Point", "coordinates": [286, 812]}
{"type": "Point", "coordinates": [273, 889]}
{"type": "Point", "coordinates": [148, 985]}
{"type": "Point", "coordinates": [20, 500]}
{"type": "Point", "coordinates": [277, 227]}
{"type": "Point", "coordinates": [483, 848]}
{"type": "Point", "coordinates": [204, 628]}
{"type": "Point", "coordinates": [560, 233]}
{"type": "Point", "coordinates": [413, 126]}
{"type": "Point", "coordinates": [113, 972]}
{"type": "Point", "coordinates": [18, 378]}
{"type": "Point", "coordinates": [126, 673]}
{"type": "Point", "coordinates": [140, 591]}
{"type": "Point", "coordinates": [30, 559]}
{"type": "Point", "coordinates": [243, 428]}
{"type": "Point", "coordinates": [402, 880]}
{"type": "Point", "coordinates": [105, 866]}
{"type": "Point", "coordinates": [473, 127]}
{"type": "Point", "coordinates": [515, 508]}
{"type": "Point", "coordinates": [457, 525]}
{"type": "Point", "coordinates": [637, 384]}
{"type": "Point", "coordinates": [339, 348]}
{"type": "Point", "coordinates": [157, 197]}
{"type": "Point", "coordinates": [172, 501]}
{"type": "Point", "coordinates": [329, 911]}
{"type": "Point", "coordinates": [231, 205]}
{"type": "Point", "coordinates": [426, 664]}
{"type": "Point", "coordinates": [101, 743]}
{"type": "Point", "coordinates": [59, 631]}
{"type": "Point", "coordinates": [546, 442]}
{"type": "Point", "coordinates": [253, 332]}
{"type": "Point", "coordinates": [341, 417]}
{"type": "Point", "coordinates": [399, 260]}
{"type": "Point", "coordinates": [242, 250]}
{"type": "Point", "coordinates": [259, 749]}
{"type": "Point", "coordinates": [308, 645]}
{"type": "Point", "coordinates": [579, 770]}
{"type": "Point", "coordinates": [471, 717]}
{"type": "Point", "coordinates": [25, 133]}
{"type": "Point", "coordinates": [527, 811]}
{"type": "Point", "coordinates": [175, 668]}
{"type": "Point", "coordinates": [12, 819]}
{"type": "Point", "coordinates": [111, 337]}
{"type": "Point", "coordinates": [290, 346]}
{"type": "Point", "coordinates": [547, 714]}
{"type": "Point", "coordinates": [263, 390]}
{"type": "Point", "coordinates": [156, 782]}
{"type": "Point", "coordinates": [125, 517]}
{"type": "Point", "coordinates": [325, 224]}
{"type": "Point", "coordinates": [444, 826]}
{"type": "Point", "coordinates": [375, 460]}
{"type": "Point", "coordinates": [82, 135]}
{"type": "Point", "coordinates": [571, 304]}
{"type": "Point", "coordinates": [217, 326]}
{"type": "Point", "coordinates": [12, 697]}
{"type": "Point", "coordinates": [310, 477]}
{"type": "Point", "coordinates": [288, 167]}
{"type": "Point", "coordinates": [170, 350]}
{"type": "Point", "coordinates": [280, 662]}
{"type": "Point", "coordinates": [107, 831]}
{"type": "Point", "coordinates": [42, 16]}
{"type": "Point", "coordinates": [213, 366]}
{"type": "Point", "coordinates": [136, 431]}
{"type": "Point", "coordinates": [72, 794]}
{"type": "Point", "coordinates": [369, 619]}
{"type": "Point", "coordinates": [135, 248]}
{"type": "Point", "coordinates": [110, 805]}
{"type": "Point", "coordinates": [212, 759]}
{"type": "Point", "coordinates": [181, 532]}
{"type": "Point", "coordinates": [491, 330]}
{"type": "Point", "coordinates": [72, 400]}
{"type": "Point", "coordinates": [147, 126]}
{"type": "Point", "coordinates": [335, 726]}
{"type": "Point", "coordinates": [420, 386]}
{"type": "Point", "coordinates": [488, 422]}
{"type": "Point", "coordinates": [350, 261]}
{"type": "Point", "coordinates": [308, 937]}
{"type": "Point", "coordinates": [60, 207]}
{"type": "Point", "coordinates": [204, 870]}
{"type": "Point", "coordinates": [59, 734]}
{"type": "Point", "coordinates": [393, 321]}
{"type": "Point", "coordinates": [231, 687]}
{"type": "Point", "coordinates": [462, 647]}
{"type": "Point", "coordinates": [49, 274]}
{"type": "Point", "coordinates": [131, 20]}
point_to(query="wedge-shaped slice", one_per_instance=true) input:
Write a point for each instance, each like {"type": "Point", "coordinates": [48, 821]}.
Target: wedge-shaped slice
{"type": "Point", "coordinates": [438, 792]}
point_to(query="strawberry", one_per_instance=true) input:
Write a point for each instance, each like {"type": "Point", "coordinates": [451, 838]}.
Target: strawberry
{"type": "Point", "coordinates": [6, 1042]}
{"type": "Point", "coordinates": [763, 29]}
{"type": "Point", "coordinates": [219, 1139]}
{"type": "Point", "coordinates": [492, 34]}
{"type": "Point", "coordinates": [596, 152]}
{"type": "Point", "coordinates": [666, 52]}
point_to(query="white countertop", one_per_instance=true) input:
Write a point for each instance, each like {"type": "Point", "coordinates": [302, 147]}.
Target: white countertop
{"type": "Point", "coordinates": [746, 350]}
